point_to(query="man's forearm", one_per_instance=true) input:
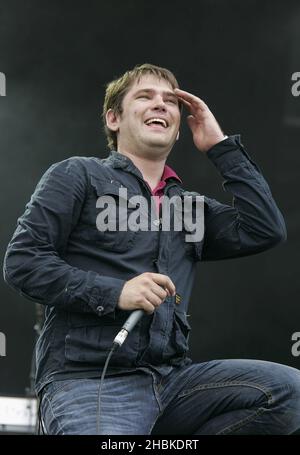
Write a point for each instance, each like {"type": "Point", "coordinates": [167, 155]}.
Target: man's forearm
{"type": "Point", "coordinates": [253, 223]}
{"type": "Point", "coordinates": [39, 274]}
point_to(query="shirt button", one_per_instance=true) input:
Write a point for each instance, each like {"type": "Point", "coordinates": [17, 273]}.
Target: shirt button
{"type": "Point", "coordinates": [99, 309]}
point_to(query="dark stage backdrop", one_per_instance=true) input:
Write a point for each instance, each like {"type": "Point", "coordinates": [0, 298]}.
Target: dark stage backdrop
{"type": "Point", "coordinates": [239, 56]}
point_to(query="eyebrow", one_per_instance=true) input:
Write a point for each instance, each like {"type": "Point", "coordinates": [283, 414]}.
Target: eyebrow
{"type": "Point", "coordinates": [150, 90]}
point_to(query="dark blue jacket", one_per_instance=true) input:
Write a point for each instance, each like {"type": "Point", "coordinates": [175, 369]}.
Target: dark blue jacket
{"type": "Point", "coordinates": [58, 257]}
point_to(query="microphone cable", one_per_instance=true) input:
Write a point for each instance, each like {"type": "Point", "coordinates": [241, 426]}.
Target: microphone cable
{"type": "Point", "coordinates": [118, 341]}
{"type": "Point", "coordinates": [112, 349]}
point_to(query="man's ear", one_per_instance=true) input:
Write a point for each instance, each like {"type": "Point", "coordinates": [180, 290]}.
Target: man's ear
{"type": "Point", "coordinates": [177, 136]}
{"type": "Point", "coordinates": [112, 120]}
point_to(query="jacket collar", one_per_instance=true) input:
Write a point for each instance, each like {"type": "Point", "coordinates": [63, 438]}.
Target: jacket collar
{"type": "Point", "coordinates": [119, 161]}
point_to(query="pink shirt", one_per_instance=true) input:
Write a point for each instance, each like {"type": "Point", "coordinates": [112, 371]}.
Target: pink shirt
{"type": "Point", "coordinates": [158, 191]}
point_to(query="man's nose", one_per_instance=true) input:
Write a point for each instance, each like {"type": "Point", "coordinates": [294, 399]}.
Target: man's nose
{"type": "Point", "coordinates": [159, 103]}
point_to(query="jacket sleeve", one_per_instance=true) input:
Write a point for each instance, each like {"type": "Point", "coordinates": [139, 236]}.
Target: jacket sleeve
{"type": "Point", "coordinates": [34, 264]}
{"type": "Point", "coordinates": [253, 223]}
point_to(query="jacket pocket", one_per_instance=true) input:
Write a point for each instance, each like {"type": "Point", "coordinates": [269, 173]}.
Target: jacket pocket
{"type": "Point", "coordinates": [89, 342]}
{"type": "Point", "coordinates": [192, 248]}
{"type": "Point", "coordinates": [112, 211]}
{"type": "Point", "coordinates": [190, 212]}
{"type": "Point", "coordinates": [182, 330]}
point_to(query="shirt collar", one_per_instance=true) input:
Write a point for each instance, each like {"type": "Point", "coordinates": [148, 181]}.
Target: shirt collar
{"type": "Point", "coordinates": [168, 173]}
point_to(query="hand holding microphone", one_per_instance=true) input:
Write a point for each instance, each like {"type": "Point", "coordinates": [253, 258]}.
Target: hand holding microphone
{"type": "Point", "coordinates": [146, 292]}
{"type": "Point", "coordinates": [143, 293]}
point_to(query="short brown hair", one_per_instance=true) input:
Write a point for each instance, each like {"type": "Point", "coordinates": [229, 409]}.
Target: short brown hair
{"type": "Point", "coordinates": [117, 89]}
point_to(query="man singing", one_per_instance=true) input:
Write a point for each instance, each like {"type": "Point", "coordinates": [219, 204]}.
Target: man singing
{"type": "Point", "coordinates": [91, 278]}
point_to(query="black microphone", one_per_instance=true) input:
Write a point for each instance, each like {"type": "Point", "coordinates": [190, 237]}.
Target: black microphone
{"type": "Point", "coordinates": [128, 326]}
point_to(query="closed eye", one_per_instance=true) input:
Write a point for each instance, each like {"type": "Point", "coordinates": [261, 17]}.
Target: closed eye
{"type": "Point", "coordinates": [172, 101]}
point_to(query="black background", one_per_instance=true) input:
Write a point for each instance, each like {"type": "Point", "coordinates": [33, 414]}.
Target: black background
{"type": "Point", "coordinates": [239, 57]}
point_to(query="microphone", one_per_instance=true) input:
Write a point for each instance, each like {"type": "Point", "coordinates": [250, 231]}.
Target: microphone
{"type": "Point", "coordinates": [133, 319]}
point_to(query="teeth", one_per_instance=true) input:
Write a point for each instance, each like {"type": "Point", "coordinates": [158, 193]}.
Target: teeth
{"type": "Point", "coordinates": [159, 120]}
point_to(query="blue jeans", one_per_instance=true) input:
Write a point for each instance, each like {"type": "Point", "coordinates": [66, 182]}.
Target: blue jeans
{"type": "Point", "coordinates": [215, 397]}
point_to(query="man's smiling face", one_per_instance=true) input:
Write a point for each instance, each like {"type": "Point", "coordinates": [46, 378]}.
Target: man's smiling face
{"type": "Point", "coordinates": [150, 119]}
